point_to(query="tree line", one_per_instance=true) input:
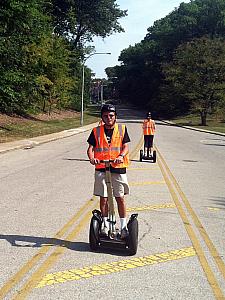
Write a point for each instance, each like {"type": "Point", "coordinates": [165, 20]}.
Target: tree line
{"type": "Point", "coordinates": [179, 66]}
{"type": "Point", "coordinates": [42, 47]}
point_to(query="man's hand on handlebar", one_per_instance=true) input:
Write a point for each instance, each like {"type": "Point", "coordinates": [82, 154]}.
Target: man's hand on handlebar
{"type": "Point", "coordinates": [119, 160]}
{"type": "Point", "coordinates": [94, 161]}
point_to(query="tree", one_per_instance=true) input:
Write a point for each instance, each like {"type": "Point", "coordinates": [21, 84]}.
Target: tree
{"type": "Point", "coordinates": [80, 20]}
{"type": "Point", "coordinates": [22, 24]}
{"type": "Point", "coordinates": [54, 82]}
{"type": "Point", "coordinates": [141, 77]}
{"type": "Point", "coordinates": [197, 72]}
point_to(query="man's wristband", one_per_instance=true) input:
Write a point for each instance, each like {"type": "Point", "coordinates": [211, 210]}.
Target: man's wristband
{"type": "Point", "coordinates": [122, 154]}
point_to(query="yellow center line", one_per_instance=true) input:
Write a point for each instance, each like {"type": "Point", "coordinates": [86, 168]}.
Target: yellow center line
{"type": "Point", "coordinates": [37, 275]}
{"type": "Point", "coordinates": [207, 269]}
{"type": "Point", "coordinates": [151, 207]}
{"type": "Point", "coordinates": [146, 183]}
{"type": "Point", "coordinates": [141, 169]}
{"type": "Point", "coordinates": [137, 148]}
{"type": "Point", "coordinates": [43, 251]}
{"type": "Point", "coordinates": [114, 267]}
{"type": "Point", "coordinates": [198, 224]}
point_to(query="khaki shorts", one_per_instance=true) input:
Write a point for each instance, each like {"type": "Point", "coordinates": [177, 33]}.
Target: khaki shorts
{"type": "Point", "coordinates": [119, 184]}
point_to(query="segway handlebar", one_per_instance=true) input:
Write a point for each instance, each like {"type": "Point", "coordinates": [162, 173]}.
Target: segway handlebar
{"type": "Point", "coordinates": [106, 161]}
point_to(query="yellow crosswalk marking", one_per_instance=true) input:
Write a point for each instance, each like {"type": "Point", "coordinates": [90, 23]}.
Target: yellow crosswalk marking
{"type": "Point", "coordinates": [146, 183]}
{"type": "Point", "coordinates": [152, 207]}
{"type": "Point", "coordinates": [114, 267]}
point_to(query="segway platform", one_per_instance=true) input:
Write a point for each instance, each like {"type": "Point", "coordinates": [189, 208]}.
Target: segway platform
{"type": "Point", "coordinates": [148, 157]}
{"type": "Point", "coordinates": [113, 240]}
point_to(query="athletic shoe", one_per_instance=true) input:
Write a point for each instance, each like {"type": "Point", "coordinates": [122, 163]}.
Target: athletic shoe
{"type": "Point", "coordinates": [104, 231]}
{"type": "Point", "coordinates": [124, 233]}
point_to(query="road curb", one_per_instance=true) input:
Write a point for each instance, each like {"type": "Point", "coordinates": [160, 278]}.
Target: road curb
{"type": "Point", "coordinates": [193, 128]}
{"type": "Point", "coordinates": [39, 140]}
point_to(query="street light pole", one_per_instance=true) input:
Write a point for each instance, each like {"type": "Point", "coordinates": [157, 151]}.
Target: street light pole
{"type": "Point", "coordinates": [82, 87]}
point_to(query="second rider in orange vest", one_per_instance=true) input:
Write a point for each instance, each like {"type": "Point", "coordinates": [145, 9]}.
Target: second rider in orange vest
{"type": "Point", "coordinates": [110, 141]}
{"type": "Point", "coordinates": [148, 131]}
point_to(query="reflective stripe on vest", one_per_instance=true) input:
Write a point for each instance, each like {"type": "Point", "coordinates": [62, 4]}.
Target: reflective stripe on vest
{"type": "Point", "coordinates": [103, 150]}
{"type": "Point", "coordinates": [148, 127]}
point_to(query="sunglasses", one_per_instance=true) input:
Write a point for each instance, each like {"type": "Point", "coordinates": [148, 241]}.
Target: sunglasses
{"type": "Point", "coordinates": [109, 116]}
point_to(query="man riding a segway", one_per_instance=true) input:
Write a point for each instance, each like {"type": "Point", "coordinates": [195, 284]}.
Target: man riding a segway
{"type": "Point", "coordinates": [148, 131]}
{"type": "Point", "coordinates": [109, 141]}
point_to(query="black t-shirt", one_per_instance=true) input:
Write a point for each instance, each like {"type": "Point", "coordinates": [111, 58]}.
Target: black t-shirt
{"type": "Point", "coordinates": [109, 132]}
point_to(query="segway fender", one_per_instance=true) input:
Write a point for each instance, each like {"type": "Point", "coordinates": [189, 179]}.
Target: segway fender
{"type": "Point", "coordinates": [141, 155]}
{"type": "Point", "coordinates": [97, 216]}
{"type": "Point", "coordinates": [154, 156]}
{"type": "Point", "coordinates": [132, 241]}
{"type": "Point", "coordinates": [132, 218]}
{"type": "Point", "coordinates": [96, 222]}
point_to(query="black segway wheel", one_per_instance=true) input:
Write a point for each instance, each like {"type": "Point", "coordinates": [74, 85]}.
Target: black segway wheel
{"type": "Point", "coordinates": [154, 156]}
{"type": "Point", "coordinates": [133, 237]}
{"type": "Point", "coordinates": [94, 234]}
{"type": "Point", "coordinates": [141, 155]}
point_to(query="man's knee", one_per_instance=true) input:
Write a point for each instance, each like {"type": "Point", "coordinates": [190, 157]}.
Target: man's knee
{"type": "Point", "coordinates": [120, 200]}
{"type": "Point", "coordinates": [103, 200]}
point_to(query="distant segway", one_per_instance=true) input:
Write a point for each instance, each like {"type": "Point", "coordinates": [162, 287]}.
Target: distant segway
{"type": "Point", "coordinates": [113, 240]}
{"type": "Point", "coordinates": [149, 156]}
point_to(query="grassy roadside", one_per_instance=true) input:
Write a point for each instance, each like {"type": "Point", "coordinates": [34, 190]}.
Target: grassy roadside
{"type": "Point", "coordinates": [192, 120]}
{"type": "Point", "coordinates": [27, 128]}
{"type": "Point", "coordinates": [31, 127]}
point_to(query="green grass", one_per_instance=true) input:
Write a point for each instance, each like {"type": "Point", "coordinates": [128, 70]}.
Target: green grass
{"type": "Point", "coordinates": [32, 128]}
{"type": "Point", "coordinates": [193, 120]}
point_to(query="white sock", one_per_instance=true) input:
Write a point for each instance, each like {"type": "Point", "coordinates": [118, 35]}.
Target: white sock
{"type": "Point", "coordinates": [105, 222]}
{"type": "Point", "coordinates": [123, 222]}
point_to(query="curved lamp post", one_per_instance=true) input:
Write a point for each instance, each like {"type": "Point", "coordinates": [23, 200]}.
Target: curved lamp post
{"type": "Point", "coordinates": [82, 88]}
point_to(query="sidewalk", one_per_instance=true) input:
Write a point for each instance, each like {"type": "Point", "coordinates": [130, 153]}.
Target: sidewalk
{"type": "Point", "coordinates": [32, 142]}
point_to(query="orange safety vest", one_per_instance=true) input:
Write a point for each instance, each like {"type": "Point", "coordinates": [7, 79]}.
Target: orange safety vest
{"type": "Point", "coordinates": [103, 150]}
{"type": "Point", "coordinates": [100, 123]}
{"type": "Point", "coordinates": [148, 127]}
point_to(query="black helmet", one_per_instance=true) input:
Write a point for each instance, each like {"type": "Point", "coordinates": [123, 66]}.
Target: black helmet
{"type": "Point", "coordinates": [108, 108]}
{"type": "Point", "coordinates": [148, 115]}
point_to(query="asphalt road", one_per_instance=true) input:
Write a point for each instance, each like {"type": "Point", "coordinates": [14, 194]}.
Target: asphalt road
{"type": "Point", "coordinates": [46, 200]}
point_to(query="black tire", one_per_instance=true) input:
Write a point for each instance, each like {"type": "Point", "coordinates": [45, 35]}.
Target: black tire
{"type": "Point", "coordinates": [133, 237]}
{"type": "Point", "coordinates": [154, 156]}
{"type": "Point", "coordinates": [94, 234]}
{"type": "Point", "coordinates": [141, 155]}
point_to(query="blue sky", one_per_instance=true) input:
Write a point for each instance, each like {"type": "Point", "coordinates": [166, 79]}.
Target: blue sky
{"type": "Point", "coordinates": [141, 15]}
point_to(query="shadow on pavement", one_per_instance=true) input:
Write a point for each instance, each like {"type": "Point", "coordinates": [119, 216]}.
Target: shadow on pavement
{"type": "Point", "coordinates": [37, 242]}
{"type": "Point", "coordinates": [221, 145]}
{"type": "Point", "coordinates": [220, 201]}
{"type": "Point", "coordinates": [76, 159]}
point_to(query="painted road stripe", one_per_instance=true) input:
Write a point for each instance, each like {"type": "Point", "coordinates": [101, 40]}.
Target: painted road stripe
{"type": "Point", "coordinates": [146, 183]}
{"type": "Point", "coordinates": [141, 169]}
{"type": "Point", "coordinates": [50, 261]}
{"type": "Point", "coordinates": [200, 253]}
{"type": "Point", "coordinates": [136, 149]}
{"type": "Point", "coordinates": [114, 267]}
{"type": "Point", "coordinates": [43, 251]}
{"type": "Point", "coordinates": [152, 207]}
{"type": "Point", "coordinates": [216, 256]}
{"type": "Point", "coordinates": [214, 208]}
